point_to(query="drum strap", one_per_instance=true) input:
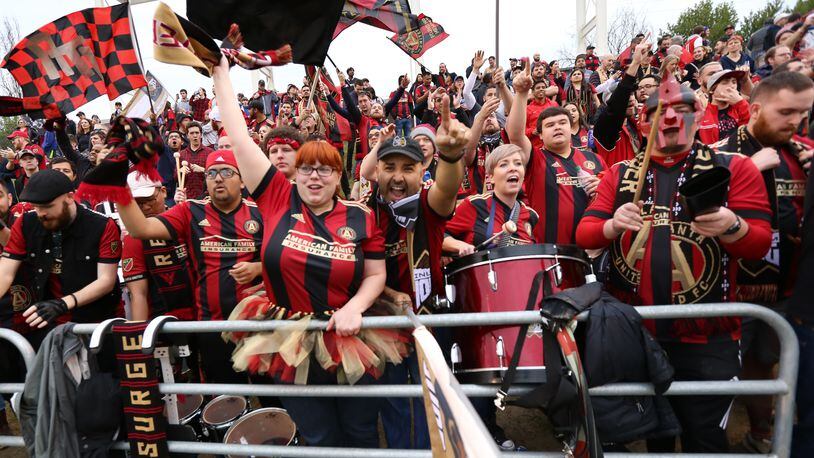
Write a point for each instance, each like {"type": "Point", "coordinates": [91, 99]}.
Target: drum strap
{"type": "Point", "coordinates": [550, 355]}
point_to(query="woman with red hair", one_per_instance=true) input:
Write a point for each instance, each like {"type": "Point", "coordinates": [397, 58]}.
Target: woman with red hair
{"type": "Point", "coordinates": [323, 257]}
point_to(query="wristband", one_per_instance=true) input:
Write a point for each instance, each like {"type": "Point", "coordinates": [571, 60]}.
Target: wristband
{"type": "Point", "coordinates": [75, 300]}
{"type": "Point", "coordinates": [451, 161]}
{"type": "Point", "coordinates": [734, 228]}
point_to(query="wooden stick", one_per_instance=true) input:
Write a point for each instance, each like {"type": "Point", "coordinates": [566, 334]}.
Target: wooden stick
{"type": "Point", "coordinates": [177, 157]}
{"type": "Point", "coordinates": [651, 140]}
{"type": "Point", "coordinates": [183, 174]}
{"type": "Point", "coordinates": [313, 87]}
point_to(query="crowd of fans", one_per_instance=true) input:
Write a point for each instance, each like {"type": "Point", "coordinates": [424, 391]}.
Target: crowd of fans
{"type": "Point", "coordinates": [247, 162]}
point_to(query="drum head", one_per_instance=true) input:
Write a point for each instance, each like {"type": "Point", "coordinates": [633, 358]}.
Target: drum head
{"type": "Point", "coordinates": [189, 405]}
{"type": "Point", "coordinates": [223, 409]}
{"type": "Point", "coordinates": [269, 426]}
{"type": "Point", "coordinates": [509, 253]}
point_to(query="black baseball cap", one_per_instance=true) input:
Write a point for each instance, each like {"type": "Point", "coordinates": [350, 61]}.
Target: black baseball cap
{"type": "Point", "coordinates": [401, 145]}
{"type": "Point", "coordinates": [45, 186]}
{"type": "Point", "coordinates": [590, 47]}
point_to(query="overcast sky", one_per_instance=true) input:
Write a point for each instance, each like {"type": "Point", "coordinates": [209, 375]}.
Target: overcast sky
{"type": "Point", "coordinates": [526, 27]}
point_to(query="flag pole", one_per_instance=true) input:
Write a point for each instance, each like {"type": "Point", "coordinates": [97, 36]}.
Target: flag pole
{"type": "Point", "coordinates": [138, 50]}
{"type": "Point", "coordinates": [315, 78]}
{"type": "Point", "coordinates": [332, 61]}
{"type": "Point", "coordinates": [497, 32]}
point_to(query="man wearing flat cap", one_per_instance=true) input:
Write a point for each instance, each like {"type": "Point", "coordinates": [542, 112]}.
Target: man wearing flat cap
{"type": "Point", "coordinates": [69, 253]}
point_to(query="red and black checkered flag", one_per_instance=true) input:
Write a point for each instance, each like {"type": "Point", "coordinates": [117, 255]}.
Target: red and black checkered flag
{"type": "Point", "coordinates": [75, 59]}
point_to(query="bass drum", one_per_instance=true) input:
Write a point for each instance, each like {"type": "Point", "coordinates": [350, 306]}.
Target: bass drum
{"type": "Point", "coordinates": [268, 426]}
{"type": "Point", "coordinates": [500, 280]}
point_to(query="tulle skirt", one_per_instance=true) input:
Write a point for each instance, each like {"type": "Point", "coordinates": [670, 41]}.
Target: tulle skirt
{"type": "Point", "coordinates": [287, 353]}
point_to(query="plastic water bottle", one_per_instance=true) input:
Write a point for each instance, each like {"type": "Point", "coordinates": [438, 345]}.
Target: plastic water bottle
{"type": "Point", "coordinates": [581, 175]}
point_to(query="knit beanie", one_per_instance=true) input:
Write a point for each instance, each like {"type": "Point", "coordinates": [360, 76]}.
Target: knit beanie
{"type": "Point", "coordinates": [426, 130]}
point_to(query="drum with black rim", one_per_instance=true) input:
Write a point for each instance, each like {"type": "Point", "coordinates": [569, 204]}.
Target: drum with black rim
{"type": "Point", "coordinates": [499, 280]}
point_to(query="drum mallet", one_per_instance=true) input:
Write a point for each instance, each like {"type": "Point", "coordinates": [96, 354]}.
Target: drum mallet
{"type": "Point", "coordinates": [509, 227]}
{"type": "Point", "coordinates": [183, 174]}
{"type": "Point", "coordinates": [177, 157]}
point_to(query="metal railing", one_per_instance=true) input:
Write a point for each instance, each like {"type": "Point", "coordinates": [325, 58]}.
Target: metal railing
{"type": "Point", "coordinates": [783, 386]}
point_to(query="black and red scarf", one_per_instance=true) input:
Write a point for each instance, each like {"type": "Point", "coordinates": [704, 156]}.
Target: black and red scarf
{"type": "Point", "coordinates": [406, 214]}
{"type": "Point", "coordinates": [143, 403]}
{"type": "Point", "coordinates": [759, 280]}
{"type": "Point", "coordinates": [667, 224]}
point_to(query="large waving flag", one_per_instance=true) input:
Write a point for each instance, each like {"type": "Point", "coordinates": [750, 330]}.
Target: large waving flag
{"type": "Point", "coordinates": [178, 41]}
{"type": "Point", "coordinates": [392, 15]}
{"type": "Point", "coordinates": [151, 97]}
{"type": "Point", "coordinates": [75, 59]}
{"type": "Point", "coordinates": [455, 428]}
{"type": "Point", "coordinates": [266, 25]}
{"type": "Point", "coordinates": [416, 42]}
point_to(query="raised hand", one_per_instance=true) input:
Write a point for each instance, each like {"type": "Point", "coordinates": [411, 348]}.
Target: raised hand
{"type": "Point", "coordinates": [452, 136]}
{"type": "Point", "coordinates": [477, 61]}
{"type": "Point", "coordinates": [489, 107]}
{"type": "Point", "coordinates": [522, 82]}
{"type": "Point", "coordinates": [387, 132]}
{"type": "Point", "coordinates": [498, 78]}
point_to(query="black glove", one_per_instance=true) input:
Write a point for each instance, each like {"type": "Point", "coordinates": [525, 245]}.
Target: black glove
{"type": "Point", "coordinates": [51, 309]}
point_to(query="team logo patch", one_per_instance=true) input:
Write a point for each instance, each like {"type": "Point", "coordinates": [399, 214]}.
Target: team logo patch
{"type": "Point", "coordinates": [346, 233]}
{"type": "Point", "coordinates": [590, 165]}
{"type": "Point", "coordinates": [204, 223]}
{"type": "Point", "coordinates": [556, 164]}
{"type": "Point", "coordinates": [298, 217]}
{"type": "Point", "coordinates": [20, 297]}
{"type": "Point", "coordinates": [114, 246]}
{"type": "Point", "coordinates": [251, 226]}
{"type": "Point", "coordinates": [127, 264]}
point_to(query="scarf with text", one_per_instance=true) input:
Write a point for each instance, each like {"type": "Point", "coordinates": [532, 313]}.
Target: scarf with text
{"type": "Point", "coordinates": [758, 280]}
{"type": "Point", "coordinates": [669, 227]}
{"type": "Point", "coordinates": [143, 403]}
{"type": "Point", "coordinates": [406, 214]}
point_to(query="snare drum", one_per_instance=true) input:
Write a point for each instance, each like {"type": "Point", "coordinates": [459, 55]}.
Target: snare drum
{"type": "Point", "coordinates": [268, 426]}
{"type": "Point", "coordinates": [189, 411]}
{"type": "Point", "coordinates": [221, 413]}
{"type": "Point", "coordinates": [500, 280]}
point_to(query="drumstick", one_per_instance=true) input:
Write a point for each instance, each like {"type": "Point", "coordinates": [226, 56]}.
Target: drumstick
{"type": "Point", "coordinates": [509, 227]}
{"type": "Point", "coordinates": [177, 157]}
{"type": "Point", "coordinates": [651, 140]}
{"type": "Point", "coordinates": [184, 173]}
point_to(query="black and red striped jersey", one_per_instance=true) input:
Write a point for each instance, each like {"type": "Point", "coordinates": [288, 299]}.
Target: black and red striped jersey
{"type": "Point", "coordinates": [313, 263]}
{"type": "Point", "coordinates": [216, 242]}
{"type": "Point", "coordinates": [553, 190]}
{"type": "Point", "coordinates": [399, 276]}
{"type": "Point", "coordinates": [473, 216]}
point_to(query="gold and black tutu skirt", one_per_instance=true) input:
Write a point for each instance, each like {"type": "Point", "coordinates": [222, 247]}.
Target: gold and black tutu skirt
{"type": "Point", "coordinates": [287, 353]}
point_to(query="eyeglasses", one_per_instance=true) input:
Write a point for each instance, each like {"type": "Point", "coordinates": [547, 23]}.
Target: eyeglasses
{"type": "Point", "coordinates": [322, 170]}
{"type": "Point", "coordinates": [141, 201]}
{"type": "Point", "coordinates": [224, 173]}
{"type": "Point", "coordinates": [648, 86]}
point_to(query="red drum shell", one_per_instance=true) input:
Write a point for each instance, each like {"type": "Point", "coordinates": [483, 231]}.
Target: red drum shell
{"type": "Point", "coordinates": [515, 268]}
{"type": "Point", "coordinates": [268, 426]}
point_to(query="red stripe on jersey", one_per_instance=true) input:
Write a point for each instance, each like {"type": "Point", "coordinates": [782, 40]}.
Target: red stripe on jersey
{"type": "Point", "coordinates": [552, 190]}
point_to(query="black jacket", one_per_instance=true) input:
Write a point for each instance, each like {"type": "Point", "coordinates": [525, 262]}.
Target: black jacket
{"type": "Point", "coordinates": [619, 349]}
{"type": "Point", "coordinates": [80, 255]}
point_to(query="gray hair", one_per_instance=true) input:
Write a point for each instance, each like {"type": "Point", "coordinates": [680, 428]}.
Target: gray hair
{"type": "Point", "coordinates": [498, 154]}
